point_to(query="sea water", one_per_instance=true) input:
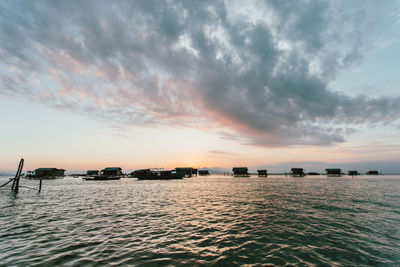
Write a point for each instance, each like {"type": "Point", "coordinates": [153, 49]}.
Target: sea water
{"type": "Point", "coordinates": [214, 220]}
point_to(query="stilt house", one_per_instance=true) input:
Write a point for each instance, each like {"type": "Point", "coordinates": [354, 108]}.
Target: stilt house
{"type": "Point", "coordinates": [297, 172]}
{"type": "Point", "coordinates": [204, 172]}
{"type": "Point", "coordinates": [240, 172]}
{"type": "Point", "coordinates": [49, 172]}
{"type": "Point", "coordinates": [333, 172]}
{"type": "Point", "coordinates": [262, 173]}
{"type": "Point", "coordinates": [112, 171]}
{"type": "Point", "coordinates": [188, 171]}
{"type": "Point", "coordinates": [353, 173]}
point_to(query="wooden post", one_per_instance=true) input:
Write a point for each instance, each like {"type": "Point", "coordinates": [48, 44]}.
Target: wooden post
{"type": "Point", "coordinates": [15, 185]}
{"type": "Point", "coordinates": [40, 185]}
{"type": "Point", "coordinates": [16, 188]}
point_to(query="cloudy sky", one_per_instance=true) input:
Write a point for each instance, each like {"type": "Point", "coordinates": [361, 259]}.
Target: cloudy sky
{"type": "Point", "coordinates": [88, 84]}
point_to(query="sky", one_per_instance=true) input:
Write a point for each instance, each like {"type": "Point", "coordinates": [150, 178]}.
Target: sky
{"type": "Point", "coordinates": [139, 84]}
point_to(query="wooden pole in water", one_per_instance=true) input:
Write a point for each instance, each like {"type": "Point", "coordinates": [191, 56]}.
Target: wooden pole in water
{"type": "Point", "coordinates": [40, 185]}
{"type": "Point", "coordinates": [15, 185]}
{"type": "Point", "coordinates": [16, 188]}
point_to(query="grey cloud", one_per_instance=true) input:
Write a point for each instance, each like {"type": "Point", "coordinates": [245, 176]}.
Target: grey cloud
{"type": "Point", "coordinates": [185, 62]}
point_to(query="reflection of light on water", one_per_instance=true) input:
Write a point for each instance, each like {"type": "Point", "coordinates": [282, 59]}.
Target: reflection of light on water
{"type": "Point", "coordinates": [203, 220]}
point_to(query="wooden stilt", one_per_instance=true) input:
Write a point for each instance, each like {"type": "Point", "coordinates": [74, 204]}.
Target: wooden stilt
{"type": "Point", "coordinates": [18, 176]}
{"type": "Point", "coordinates": [15, 185]}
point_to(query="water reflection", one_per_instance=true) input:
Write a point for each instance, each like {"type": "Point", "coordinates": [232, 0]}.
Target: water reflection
{"type": "Point", "coordinates": [204, 220]}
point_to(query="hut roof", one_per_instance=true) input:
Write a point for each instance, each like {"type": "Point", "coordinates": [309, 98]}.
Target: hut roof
{"type": "Point", "coordinates": [49, 169]}
{"type": "Point", "coordinates": [112, 169]}
{"type": "Point", "coordinates": [46, 169]}
{"type": "Point", "coordinates": [239, 169]}
{"type": "Point", "coordinates": [297, 170]}
{"type": "Point", "coordinates": [333, 170]}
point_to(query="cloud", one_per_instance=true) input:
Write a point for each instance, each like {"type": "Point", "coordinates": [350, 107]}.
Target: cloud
{"type": "Point", "coordinates": [259, 69]}
{"type": "Point", "coordinates": [223, 153]}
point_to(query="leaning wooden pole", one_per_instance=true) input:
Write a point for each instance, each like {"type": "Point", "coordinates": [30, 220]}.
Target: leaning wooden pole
{"type": "Point", "coordinates": [15, 185]}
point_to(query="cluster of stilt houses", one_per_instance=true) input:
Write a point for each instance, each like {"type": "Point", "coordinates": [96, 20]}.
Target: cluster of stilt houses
{"type": "Point", "coordinates": [187, 172]}
{"type": "Point", "coordinates": [115, 173]}
{"type": "Point", "coordinates": [336, 172]}
{"type": "Point", "coordinates": [299, 172]}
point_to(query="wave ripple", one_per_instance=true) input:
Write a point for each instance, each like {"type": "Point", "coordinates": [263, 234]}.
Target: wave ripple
{"type": "Point", "coordinates": [204, 221]}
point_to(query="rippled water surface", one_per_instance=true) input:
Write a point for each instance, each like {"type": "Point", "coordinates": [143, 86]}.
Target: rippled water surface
{"type": "Point", "coordinates": [213, 220]}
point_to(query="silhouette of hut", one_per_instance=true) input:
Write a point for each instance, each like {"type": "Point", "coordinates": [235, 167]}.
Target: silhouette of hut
{"type": "Point", "coordinates": [262, 173]}
{"type": "Point", "coordinates": [372, 173]}
{"type": "Point", "coordinates": [297, 172]}
{"type": "Point", "coordinates": [353, 173]}
{"type": "Point", "coordinates": [333, 172]}
{"type": "Point", "coordinates": [204, 172]}
{"type": "Point", "coordinates": [188, 171]}
{"type": "Point", "coordinates": [49, 172]}
{"type": "Point", "coordinates": [112, 171]}
{"type": "Point", "coordinates": [240, 172]}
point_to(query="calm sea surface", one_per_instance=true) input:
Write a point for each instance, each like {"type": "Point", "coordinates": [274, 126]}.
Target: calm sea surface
{"type": "Point", "coordinates": [213, 220]}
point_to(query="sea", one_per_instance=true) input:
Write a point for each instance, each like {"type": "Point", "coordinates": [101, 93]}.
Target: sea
{"type": "Point", "coordinates": [203, 221]}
